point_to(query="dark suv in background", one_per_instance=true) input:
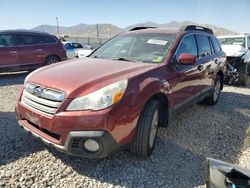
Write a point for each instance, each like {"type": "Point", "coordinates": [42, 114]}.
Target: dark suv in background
{"type": "Point", "coordinates": [25, 50]}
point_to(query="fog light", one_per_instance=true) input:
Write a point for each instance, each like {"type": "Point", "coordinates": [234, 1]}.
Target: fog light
{"type": "Point", "coordinates": [91, 145]}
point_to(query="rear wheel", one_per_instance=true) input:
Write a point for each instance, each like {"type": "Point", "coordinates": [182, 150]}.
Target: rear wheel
{"type": "Point", "coordinates": [147, 128]}
{"type": "Point", "coordinates": [51, 60]}
{"type": "Point", "coordinates": [214, 97]}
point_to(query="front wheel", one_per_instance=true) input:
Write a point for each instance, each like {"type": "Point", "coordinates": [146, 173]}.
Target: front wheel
{"type": "Point", "coordinates": [147, 127]}
{"type": "Point", "coordinates": [214, 97]}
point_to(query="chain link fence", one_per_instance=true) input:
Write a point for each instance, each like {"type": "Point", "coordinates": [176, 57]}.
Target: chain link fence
{"type": "Point", "coordinates": [93, 42]}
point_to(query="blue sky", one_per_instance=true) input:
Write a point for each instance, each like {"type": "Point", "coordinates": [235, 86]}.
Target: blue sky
{"type": "Point", "coordinates": [26, 14]}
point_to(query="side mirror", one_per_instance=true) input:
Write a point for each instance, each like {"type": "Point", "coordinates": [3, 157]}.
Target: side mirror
{"type": "Point", "coordinates": [187, 59]}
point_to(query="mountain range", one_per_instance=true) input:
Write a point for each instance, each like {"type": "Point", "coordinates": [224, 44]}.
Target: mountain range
{"type": "Point", "coordinates": [109, 30]}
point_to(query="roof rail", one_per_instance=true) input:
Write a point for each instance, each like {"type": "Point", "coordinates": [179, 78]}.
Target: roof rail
{"type": "Point", "coordinates": [196, 28]}
{"type": "Point", "coordinates": [24, 31]}
{"type": "Point", "coordinates": [139, 28]}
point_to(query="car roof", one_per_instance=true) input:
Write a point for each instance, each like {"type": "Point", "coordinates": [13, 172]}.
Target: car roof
{"type": "Point", "coordinates": [24, 31]}
{"type": "Point", "coordinates": [156, 30]}
{"type": "Point", "coordinates": [175, 31]}
{"type": "Point", "coordinates": [65, 42]}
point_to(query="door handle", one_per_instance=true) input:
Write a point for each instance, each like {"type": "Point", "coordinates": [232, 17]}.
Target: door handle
{"type": "Point", "coordinates": [39, 50]}
{"type": "Point", "coordinates": [216, 61]}
{"type": "Point", "coordinates": [13, 52]}
{"type": "Point", "coordinates": [200, 67]}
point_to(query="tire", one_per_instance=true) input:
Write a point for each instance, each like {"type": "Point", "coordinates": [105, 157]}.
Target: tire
{"type": "Point", "coordinates": [51, 60]}
{"type": "Point", "coordinates": [214, 97]}
{"type": "Point", "coordinates": [146, 132]}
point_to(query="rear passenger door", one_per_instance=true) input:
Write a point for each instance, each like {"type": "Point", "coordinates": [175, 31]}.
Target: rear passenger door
{"type": "Point", "coordinates": [205, 62]}
{"type": "Point", "coordinates": [30, 49]}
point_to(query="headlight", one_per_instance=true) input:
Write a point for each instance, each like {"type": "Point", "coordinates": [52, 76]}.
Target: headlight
{"type": "Point", "coordinates": [101, 98]}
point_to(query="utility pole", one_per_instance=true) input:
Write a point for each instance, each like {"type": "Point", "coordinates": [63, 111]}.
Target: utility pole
{"type": "Point", "coordinates": [109, 30]}
{"type": "Point", "coordinates": [97, 30]}
{"type": "Point", "coordinates": [58, 32]}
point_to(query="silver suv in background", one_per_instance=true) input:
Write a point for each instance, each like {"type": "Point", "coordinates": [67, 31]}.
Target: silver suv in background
{"type": "Point", "coordinates": [237, 49]}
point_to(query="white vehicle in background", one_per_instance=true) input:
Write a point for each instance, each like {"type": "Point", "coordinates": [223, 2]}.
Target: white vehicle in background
{"type": "Point", "coordinates": [76, 50]}
{"type": "Point", "coordinates": [237, 49]}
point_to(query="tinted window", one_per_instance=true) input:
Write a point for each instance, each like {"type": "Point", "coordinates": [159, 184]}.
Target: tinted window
{"type": "Point", "coordinates": [187, 45]}
{"type": "Point", "coordinates": [32, 39]}
{"type": "Point", "coordinates": [248, 43]}
{"type": "Point", "coordinates": [76, 45]}
{"type": "Point", "coordinates": [204, 48]}
{"type": "Point", "coordinates": [215, 45]}
{"type": "Point", "coordinates": [48, 39]}
{"type": "Point", "coordinates": [6, 40]}
{"type": "Point", "coordinates": [27, 39]}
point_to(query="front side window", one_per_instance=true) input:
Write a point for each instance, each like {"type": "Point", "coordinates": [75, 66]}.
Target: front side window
{"type": "Point", "coordinates": [6, 40]}
{"type": "Point", "coordinates": [144, 47]}
{"type": "Point", "coordinates": [187, 45]}
{"type": "Point", "coordinates": [204, 47]}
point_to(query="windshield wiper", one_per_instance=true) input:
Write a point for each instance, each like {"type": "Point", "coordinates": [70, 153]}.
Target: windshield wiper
{"type": "Point", "coordinates": [122, 59]}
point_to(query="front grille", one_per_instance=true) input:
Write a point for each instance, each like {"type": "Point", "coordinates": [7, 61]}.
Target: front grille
{"type": "Point", "coordinates": [40, 103]}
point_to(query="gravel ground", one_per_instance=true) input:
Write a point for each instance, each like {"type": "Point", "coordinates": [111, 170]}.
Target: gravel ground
{"type": "Point", "coordinates": [221, 132]}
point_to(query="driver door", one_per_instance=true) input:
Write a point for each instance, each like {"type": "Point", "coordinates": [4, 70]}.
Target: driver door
{"type": "Point", "coordinates": [187, 78]}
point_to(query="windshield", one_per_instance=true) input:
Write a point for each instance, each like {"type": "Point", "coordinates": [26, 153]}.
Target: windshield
{"type": "Point", "coordinates": [233, 41]}
{"type": "Point", "coordinates": [150, 48]}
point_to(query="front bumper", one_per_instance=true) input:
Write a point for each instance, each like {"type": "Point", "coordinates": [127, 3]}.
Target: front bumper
{"type": "Point", "coordinates": [75, 139]}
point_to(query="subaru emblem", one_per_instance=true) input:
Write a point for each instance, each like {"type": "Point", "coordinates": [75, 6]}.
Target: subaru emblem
{"type": "Point", "coordinates": [38, 91]}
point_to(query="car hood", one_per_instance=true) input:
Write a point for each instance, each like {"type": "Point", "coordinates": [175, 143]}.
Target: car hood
{"type": "Point", "coordinates": [83, 52]}
{"type": "Point", "coordinates": [233, 50]}
{"type": "Point", "coordinates": [82, 76]}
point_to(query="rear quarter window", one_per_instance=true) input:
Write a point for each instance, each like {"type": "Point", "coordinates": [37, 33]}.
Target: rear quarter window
{"type": "Point", "coordinates": [216, 44]}
{"type": "Point", "coordinates": [48, 40]}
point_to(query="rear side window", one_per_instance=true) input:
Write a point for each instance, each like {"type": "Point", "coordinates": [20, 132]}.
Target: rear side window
{"type": "Point", "coordinates": [76, 45]}
{"type": "Point", "coordinates": [48, 40]}
{"type": "Point", "coordinates": [204, 48]}
{"type": "Point", "coordinates": [6, 40]}
{"type": "Point", "coordinates": [187, 45]}
{"type": "Point", "coordinates": [32, 39]}
{"type": "Point", "coordinates": [27, 39]}
{"type": "Point", "coordinates": [215, 45]}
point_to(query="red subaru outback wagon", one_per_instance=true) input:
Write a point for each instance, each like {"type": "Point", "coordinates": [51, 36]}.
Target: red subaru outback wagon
{"type": "Point", "coordinates": [120, 95]}
{"type": "Point", "coordinates": [25, 50]}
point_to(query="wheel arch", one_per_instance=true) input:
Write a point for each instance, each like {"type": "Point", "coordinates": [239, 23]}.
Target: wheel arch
{"type": "Point", "coordinates": [163, 107]}
{"type": "Point", "coordinates": [221, 74]}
